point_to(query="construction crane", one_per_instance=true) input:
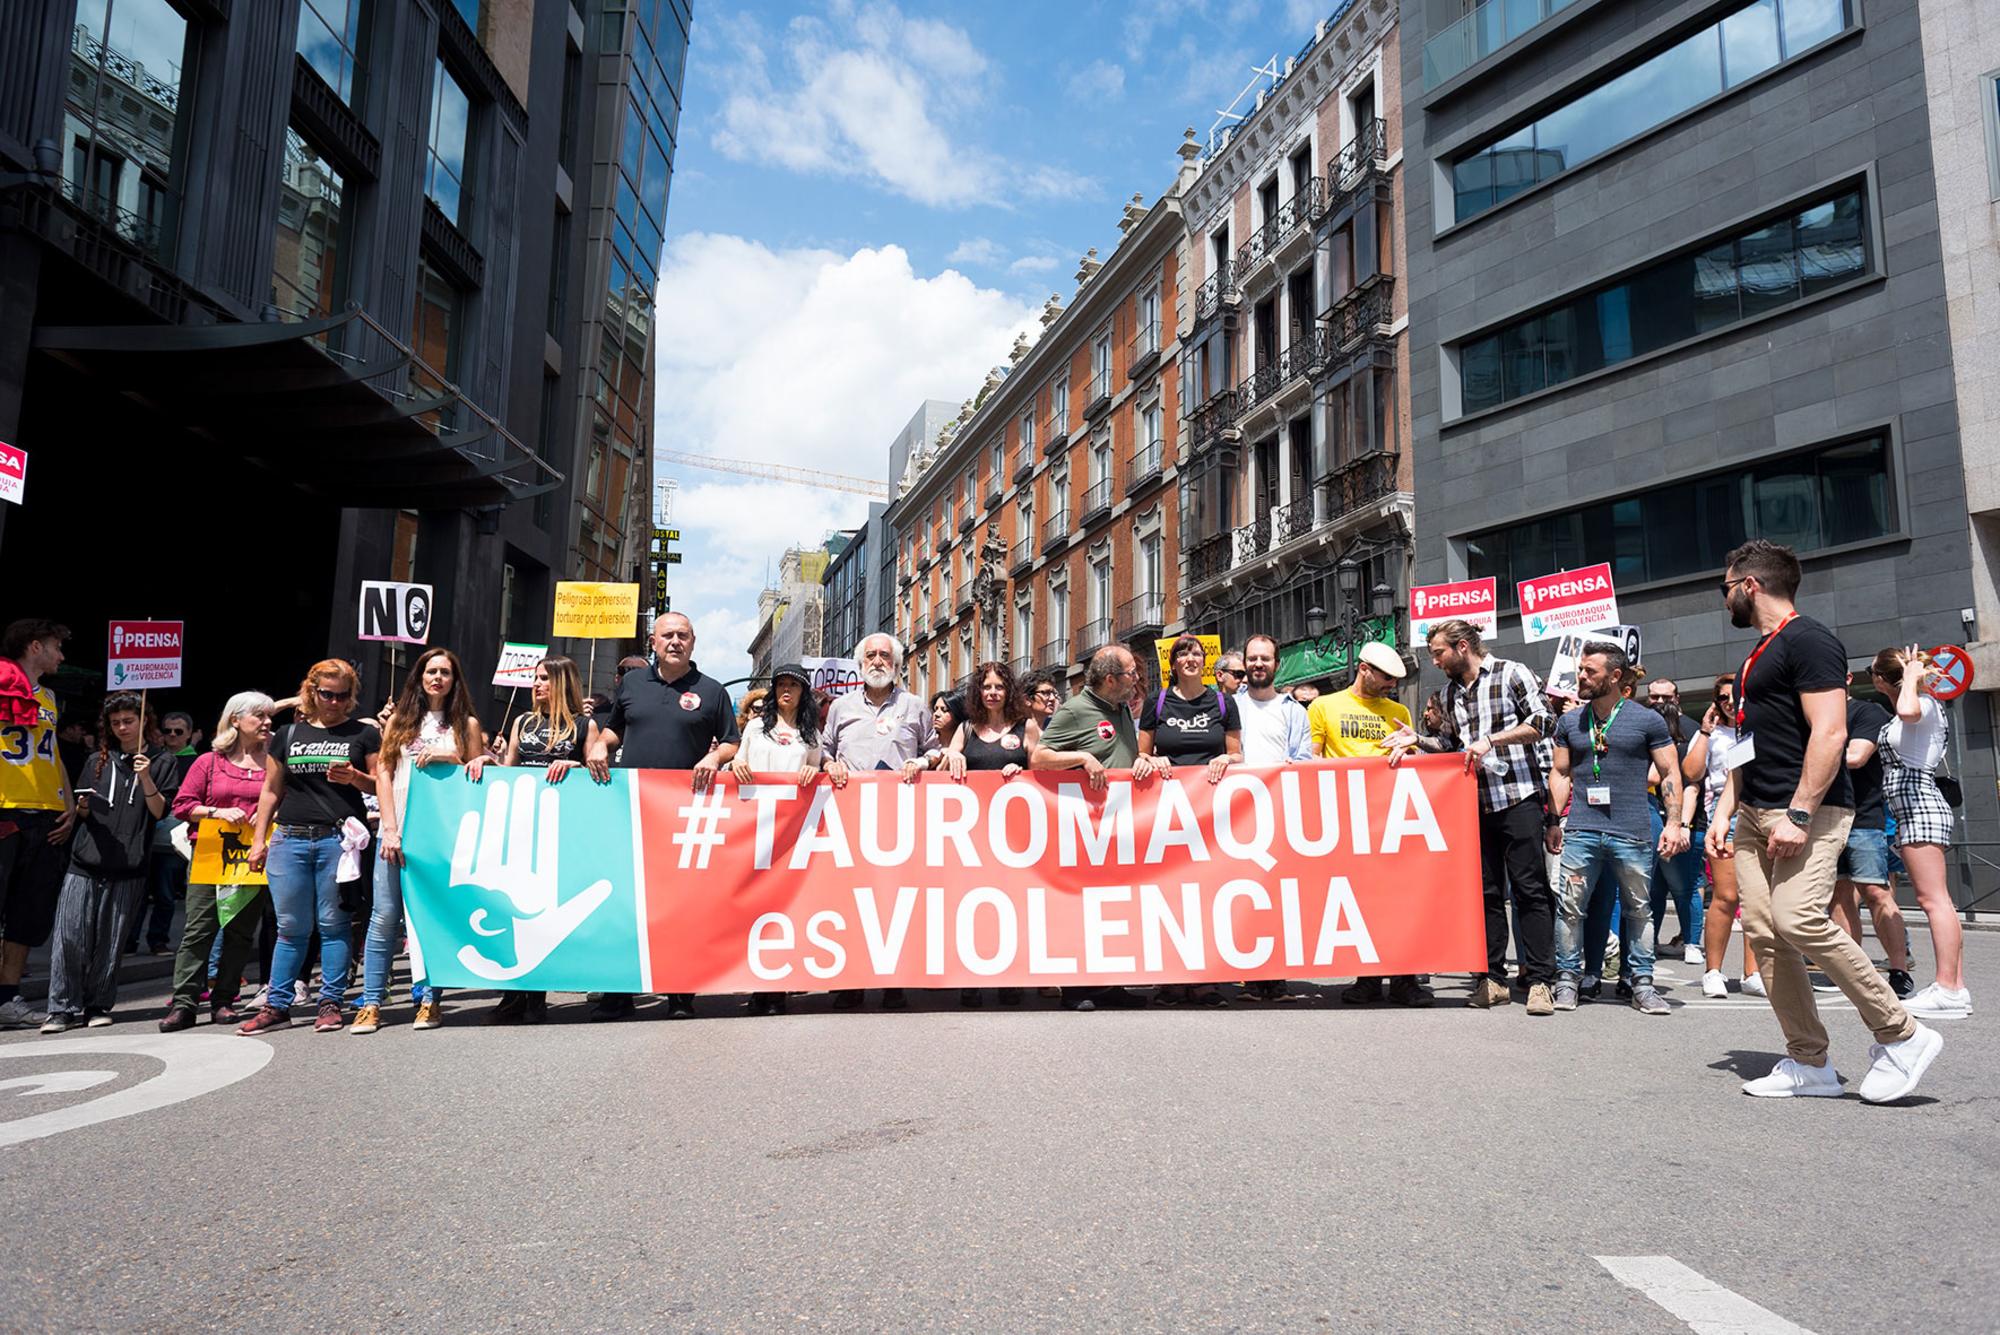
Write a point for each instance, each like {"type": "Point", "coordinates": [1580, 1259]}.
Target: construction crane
{"type": "Point", "coordinates": [805, 477]}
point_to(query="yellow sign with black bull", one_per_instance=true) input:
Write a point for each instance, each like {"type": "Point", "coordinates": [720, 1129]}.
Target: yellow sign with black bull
{"type": "Point", "coordinates": [1211, 649]}
{"type": "Point", "coordinates": [222, 855]}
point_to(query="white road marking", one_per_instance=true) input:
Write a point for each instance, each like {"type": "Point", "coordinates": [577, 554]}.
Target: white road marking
{"type": "Point", "coordinates": [196, 1064]}
{"type": "Point", "coordinates": [1707, 1307]}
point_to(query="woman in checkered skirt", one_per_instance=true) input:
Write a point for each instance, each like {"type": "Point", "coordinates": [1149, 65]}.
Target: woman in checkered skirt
{"type": "Point", "coordinates": [1912, 745]}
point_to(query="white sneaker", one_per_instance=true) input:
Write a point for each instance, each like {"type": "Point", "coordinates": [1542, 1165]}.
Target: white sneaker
{"type": "Point", "coordinates": [1753, 984]}
{"type": "Point", "coordinates": [1713, 984]}
{"type": "Point", "coordinates": [1790, 1079]}
{"type": "Point", "coordinates": [1897, 1067]}
{"type": "Point", "coordinates": [1694, 955]}
{"type": "Point", "coordinates": [1938, 1002]}
{"type": "Point", "coordinates": [18, 1014]}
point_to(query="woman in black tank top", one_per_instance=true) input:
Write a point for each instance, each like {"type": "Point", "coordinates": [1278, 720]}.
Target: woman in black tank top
{"type": "Point", "coordinates": [997, 735]}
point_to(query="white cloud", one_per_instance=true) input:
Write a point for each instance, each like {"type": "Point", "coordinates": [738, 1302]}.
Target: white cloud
{"type": "Point", "coordinates": [874, 94]}
{"type": "Point", "coordinates": [1034, 264]}
{"type": "Point", "coordinates": [1099, 81]}
{"type": "Point", "coordinates": [806, 357]}
{"type": "Point", "coordinates": [976, 250]}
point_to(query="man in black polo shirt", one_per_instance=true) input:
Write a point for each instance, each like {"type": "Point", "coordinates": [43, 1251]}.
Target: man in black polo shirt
{"type": "Point", "coordinates": [670, 718]}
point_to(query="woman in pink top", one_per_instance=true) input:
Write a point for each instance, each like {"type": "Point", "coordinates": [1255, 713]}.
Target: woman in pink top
{"type": "Point", "coordinates": [223, 785]}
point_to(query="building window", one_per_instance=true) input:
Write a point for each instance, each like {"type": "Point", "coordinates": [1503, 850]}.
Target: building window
{"type": "Point", "coordinates": [329, 38]}
{"type": "Point", "coordinates": [1725, 282]}
{"type": "Point", "coordinates": [312, 228]}
{"type": "Point", "coordinates": [1028, 438]}
{"type": "Point", "coordinates": [435, 333]}
{"type": "Point", "coordinates": [1826, 497]}
{"type": "Point", "coordinates": [1059, 414]}
{"type": "Point", "coordinates": [451, 121]}
{"type": "Point", "coordinates": [1989, 103]}
{"type": "Point", "coordinates": [1024, 626]}
{"type": "Point", "coordinates": [127, 73]}
{"type": "Point", "coordinates": [1756, 37]}
{"type": "Point", "coordinates": [1148, 577]}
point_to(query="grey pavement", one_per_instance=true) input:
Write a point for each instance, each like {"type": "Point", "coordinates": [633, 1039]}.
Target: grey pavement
{"type": "Point", "coordinates": [1265, 1167]}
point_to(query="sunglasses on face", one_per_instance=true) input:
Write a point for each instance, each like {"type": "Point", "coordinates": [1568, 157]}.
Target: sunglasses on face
{"type": "Point", "coordinates": [332, 697]}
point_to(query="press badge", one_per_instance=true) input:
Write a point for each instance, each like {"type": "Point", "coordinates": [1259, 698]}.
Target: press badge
{"type": "Point", "coordinates": [1741, 753]}
{"type": "Point", "coordinates": [1598, 795]}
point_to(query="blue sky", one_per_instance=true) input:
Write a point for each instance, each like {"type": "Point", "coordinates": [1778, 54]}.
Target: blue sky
{"type": "Point", "coordinates": [869, 203]}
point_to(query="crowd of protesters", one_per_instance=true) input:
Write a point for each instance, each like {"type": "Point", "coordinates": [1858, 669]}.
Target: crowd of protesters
{"type": "Point", "coordinates": [1789, 803]}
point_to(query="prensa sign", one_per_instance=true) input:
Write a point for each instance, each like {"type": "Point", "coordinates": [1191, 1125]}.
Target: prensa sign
{"type": "Point", "coordinates": [1570, 600]}
{"type": "Point", "coordinates": [143, 655]}
{"type": "Point", "coordinates": [1474, 600]}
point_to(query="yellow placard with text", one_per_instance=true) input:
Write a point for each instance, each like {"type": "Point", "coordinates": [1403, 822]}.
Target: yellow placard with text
{"type": "Point", "coordinates": [222, 855]}
{"type": "Point", "coordinates": [586, 611]}
{"type": "Point", "coordinates": [1211, 649]}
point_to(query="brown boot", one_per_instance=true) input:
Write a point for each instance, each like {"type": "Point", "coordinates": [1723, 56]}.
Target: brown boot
{"type": "Point", "coordinates": [1487, 994]}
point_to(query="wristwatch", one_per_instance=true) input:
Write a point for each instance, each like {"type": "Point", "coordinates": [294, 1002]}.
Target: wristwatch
{"type": "Point", "coordinates": [1799, 816]}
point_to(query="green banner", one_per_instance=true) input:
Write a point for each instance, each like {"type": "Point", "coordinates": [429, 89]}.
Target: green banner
{"type": "Point", "coordinates": [1327, 655]}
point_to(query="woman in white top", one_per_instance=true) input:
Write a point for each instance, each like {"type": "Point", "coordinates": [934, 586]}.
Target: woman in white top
{"type": "Point", "coordinates": [433, 723]}
{"type": "Point", "coordinates": [1912, 746]}
{"type": "Point", "coordinates": [783, 737]}
{"type": "Point", "coordinates": [1707, 764]}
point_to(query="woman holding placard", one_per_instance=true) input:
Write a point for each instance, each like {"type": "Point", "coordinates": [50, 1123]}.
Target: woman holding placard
{"type": "Point", "coordinates": [1912, 746]}
{"type": "Point", "coordinates": [553, 736]}
{"type": "Point", "coordinates": [433, 723]}
{"type": "Point", "coordinates": [220, 792]}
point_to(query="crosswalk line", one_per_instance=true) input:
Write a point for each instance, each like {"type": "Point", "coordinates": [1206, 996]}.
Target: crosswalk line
{"type": "Point", "coordinates": [1707, 1307]}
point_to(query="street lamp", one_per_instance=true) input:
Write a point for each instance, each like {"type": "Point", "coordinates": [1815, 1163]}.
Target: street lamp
{"type": "Point", "coordinates": [1315, 621]}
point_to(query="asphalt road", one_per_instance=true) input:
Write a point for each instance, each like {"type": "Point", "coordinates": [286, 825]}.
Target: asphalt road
{"type": "Point", "coordinates": [1261, 1168]}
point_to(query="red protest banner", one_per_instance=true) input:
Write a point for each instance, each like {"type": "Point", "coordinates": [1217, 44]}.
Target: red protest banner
{"type": "Point", "coordinates": [1325, 869]}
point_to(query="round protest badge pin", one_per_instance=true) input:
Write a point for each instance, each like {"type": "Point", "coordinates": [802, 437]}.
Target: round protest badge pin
{"type": "Point", "coordinates": [1009, 742]}
{"type": "Point", "coordinates": [1105, 730]}
{"type": "Point", "coordinates": [690, 701]}
{"type": "Point", "coordinates": [784, 737]}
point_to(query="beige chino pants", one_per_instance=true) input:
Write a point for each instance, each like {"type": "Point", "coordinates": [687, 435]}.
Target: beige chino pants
{"type": "Point", "coordinates": [1785, 912]}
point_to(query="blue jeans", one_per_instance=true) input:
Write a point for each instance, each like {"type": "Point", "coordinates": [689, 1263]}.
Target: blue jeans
{"type": "Point", "coordinates": [385, 926]}
{"type": "Point", "coordinates": [306, 893]}
{"type": "Point", "coordinates": [1586, 853]}
{"type": "Point", "coordinates": [1680, 877]}
{"type": "Point", "coordinates": [1600, 922]}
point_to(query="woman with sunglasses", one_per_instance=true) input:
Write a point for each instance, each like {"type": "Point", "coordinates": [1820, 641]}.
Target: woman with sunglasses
{"type": "Point", "coordinates": [315, 773]}
{"type": "Point", "coordinates": [432, 724]}
{"type": "Point", "coordinates": [1912, 746]}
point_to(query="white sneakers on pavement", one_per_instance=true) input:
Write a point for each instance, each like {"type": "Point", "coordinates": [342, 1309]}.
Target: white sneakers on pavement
{"type": "Point", "coordinates": [18, 1014]}
{"type": "Point", "coordinates": [1693, 955]}
{"type": "Point", "coordinates": [1714, 984]}
{"type": "Point", "coordinates": [1795, 1080]}
{"type": "Point", "coordinates": [1938, 1002]}
{"type": "Point", "coordinates": [1753, 985]}
{"type": "Point", "coordinates": [1897, 1067]}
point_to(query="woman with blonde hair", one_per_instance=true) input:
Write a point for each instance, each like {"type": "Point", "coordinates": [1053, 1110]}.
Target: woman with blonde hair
{"type": "Point", "coordinates": [554, 735]}
{"type": "Point", "coordinates": [315, 773]}
{"type": "Point", "coordinates": [433, 723]}
{"type": "Point", "coordinates": [223, 784]}
{"type": "Point", "coordinates": [1912, 746]}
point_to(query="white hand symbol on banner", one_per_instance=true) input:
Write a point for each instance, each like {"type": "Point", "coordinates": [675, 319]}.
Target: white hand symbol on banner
{"type": "Point", "coordinates": [514, 854]}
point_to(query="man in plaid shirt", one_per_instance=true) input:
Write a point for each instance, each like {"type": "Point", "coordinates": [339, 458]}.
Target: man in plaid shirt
{"type": "Point", "coordinates": [1495, 712]}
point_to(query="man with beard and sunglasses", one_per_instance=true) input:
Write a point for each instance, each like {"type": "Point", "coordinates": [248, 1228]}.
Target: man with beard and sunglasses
{"type": "Point", "coordinates": [1790, 791]}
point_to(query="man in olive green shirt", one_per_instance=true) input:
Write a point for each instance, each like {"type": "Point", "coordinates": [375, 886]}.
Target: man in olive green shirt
{"type": "Point", "coordinates": [1094, 731]}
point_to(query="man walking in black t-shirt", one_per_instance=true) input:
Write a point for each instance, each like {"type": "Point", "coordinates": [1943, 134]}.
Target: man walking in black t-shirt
{"type": "Point", "coordinates": [670, 718]}
{"type": "Point", "coordinates": [1788, 786]}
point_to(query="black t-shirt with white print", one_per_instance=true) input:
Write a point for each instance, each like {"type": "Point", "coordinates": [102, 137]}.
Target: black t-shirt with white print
{"type": "Point", "coordinates": [1189, 732]}
{"type": "Point", "coordinates": [306, 751]}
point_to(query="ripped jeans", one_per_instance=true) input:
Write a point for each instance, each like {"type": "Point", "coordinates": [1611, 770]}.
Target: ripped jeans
{"type": "Point", "coordinates": [1585, 855]}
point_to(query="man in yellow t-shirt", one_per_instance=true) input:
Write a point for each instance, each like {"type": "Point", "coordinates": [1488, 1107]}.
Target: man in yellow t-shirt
{"type": "Point", "coordinates": [1353, 724]}
{"type": "Point", "coordinates": [37, 814]}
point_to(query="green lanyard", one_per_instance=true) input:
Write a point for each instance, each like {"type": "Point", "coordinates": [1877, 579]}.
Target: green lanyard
{"type": "Point", "coordinates": [1597, 732]}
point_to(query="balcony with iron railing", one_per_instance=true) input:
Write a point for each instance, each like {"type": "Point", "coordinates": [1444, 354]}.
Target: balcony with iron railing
{"type": "Point", "coordinates": [1217, 295]}
{"type": "Point", "coordinates": [940, 614]}
{"type": "Point", "coordinates": [1490, 26]}
{"type": "Point", "coordinates": [1292, 520]}
{"type": "Point", "coordinates": [1100, 395]}
{"type": "Point", "coordinates": [1211, 558]}
{"type": "Point", "coordinates": [1213, 421]}
{"type": "Point", "coordinates": [993, 491]}
{"type": "Point", "coordinates": [1090, 637]}
{"type": "Point", "coordinates": [1143, 354]}
{"type": "Point", "coordinates": [1053, 654]}
{"type": "Point", "coordinates": [963, 602]}
{"type": "Point", "coordinates": [1055, 530]}
{"type": "Point", "coordinates": [1056, 432]}
{"type": "Point", "coordinates": [1300, 360]}
{"type": "Point", "coordinates": [1023, 554]}
{"type": "Point", "coordinates": [1144, 615]}
{"type": "Point", "coordinates": [1290, 223]}
{"type": "Point", "coordinates": [1096, 502]}
{"type": "Point", "coordinates": [1364, 314]}
{"type": "Point", "coordinates": [1360, 166]}
{"type": "Point", "coordinates": [1147, 462]}
{"type": "Point", "coordinates": [1252, 540]}
{"type": "Point", "coordinates": [1025, 468]}
{"type": "Point", "coordinates": [1364, 481]}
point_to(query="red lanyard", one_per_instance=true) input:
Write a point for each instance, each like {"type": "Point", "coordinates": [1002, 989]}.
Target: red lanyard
{"type": "Point", "coordinates": [1750, 664]}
